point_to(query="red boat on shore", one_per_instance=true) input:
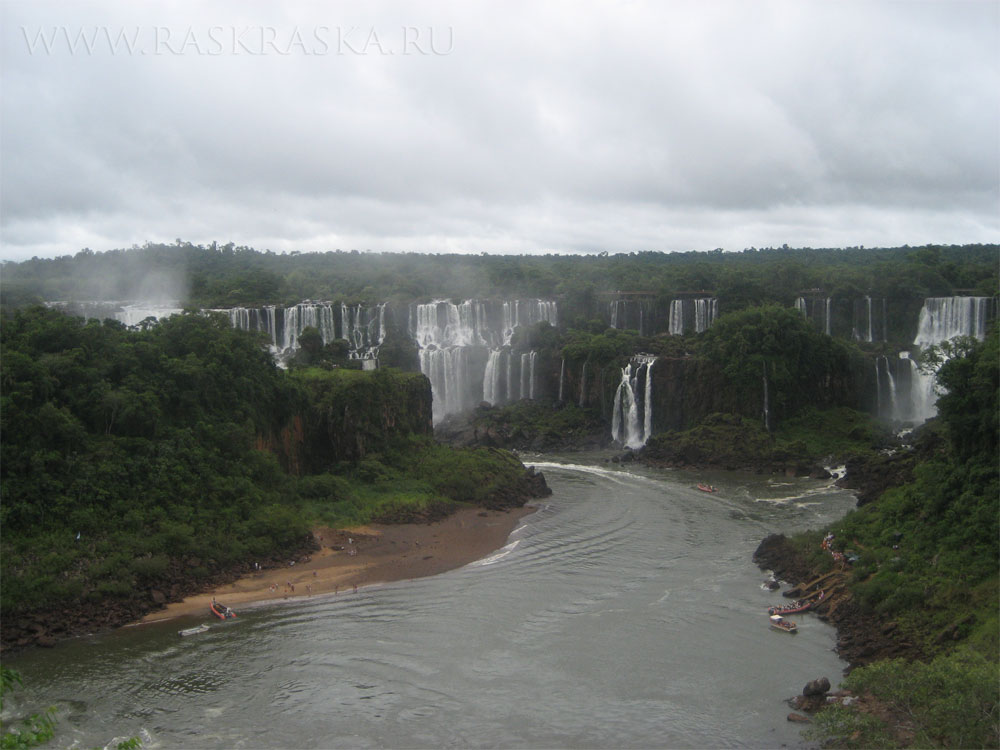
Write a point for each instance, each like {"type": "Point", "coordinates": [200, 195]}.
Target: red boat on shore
{"type": "Point", "coordinates": [707, 488]}
{"type": "Point", "coordinates": [221, 611]}
{"type": "Point", "coordinates": [799, 606]}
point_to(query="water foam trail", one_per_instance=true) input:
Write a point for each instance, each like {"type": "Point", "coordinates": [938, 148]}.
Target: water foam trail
{"type": "Point", "coordinates": [616, 475]}
{"type": "Point", "coordinates": [496, 556]}
{"type": "Point", "coordinates": [800, 496]}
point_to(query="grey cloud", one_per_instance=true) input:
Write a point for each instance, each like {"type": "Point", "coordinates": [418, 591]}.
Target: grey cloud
{"type": "Point", "coordinates": [556, 126]}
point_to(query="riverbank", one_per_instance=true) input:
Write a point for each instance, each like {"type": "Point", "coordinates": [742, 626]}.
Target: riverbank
{"type": "Point", "coordinates": [862, 637]}
{"type": "Point", "coordinates": [377, 553]}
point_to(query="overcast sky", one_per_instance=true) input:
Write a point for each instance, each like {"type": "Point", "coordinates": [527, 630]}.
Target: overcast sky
{"type": "Point", "coordinates": [500, 127]}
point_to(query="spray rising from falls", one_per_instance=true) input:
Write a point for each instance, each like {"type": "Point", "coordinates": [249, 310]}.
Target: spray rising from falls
{"type": "Point", "coordinates": [465, 350]}
{"type": "Point", "coordinates": [912, 392]}
{"type": "Point", "coordinates": [632, 415]}
{"type": "Point", "coordinates": [362, 326]}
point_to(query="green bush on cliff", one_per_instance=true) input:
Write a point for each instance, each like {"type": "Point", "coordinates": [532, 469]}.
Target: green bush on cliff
{"type": "Point", "coordinates": [837, 432]}
{"type": "Point", "coordinates": [124, 447]}
{"type": "Point", "coordinates": [801, 366]}
{"type": "Point", "coordinates": [929, 554]}
{"type": "Point", "coordinates": [929, 551]}
{"type": "Point", "coordinates": [530, 418]}
{"type": "Point", "coordinates": [411, 477]}
{"type": "Point", "coordinates": [952, 701]}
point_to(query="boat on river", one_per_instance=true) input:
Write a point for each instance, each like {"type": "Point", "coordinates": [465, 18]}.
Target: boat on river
{"type": "Point", "coordinates": [706, 488]}
{"type": "Point", "coordinates": [193, 631]}
{"type": "Point", "coordinates": [780, 623]}
{"type": "Point", "coordinates": [799, 606]}
{"type": "Point", "coordinates": [221, 611]}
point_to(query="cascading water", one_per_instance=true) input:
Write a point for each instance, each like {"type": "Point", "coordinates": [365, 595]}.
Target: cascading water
{"type": "Point", "coordinates": [465, 350]}
{"type": "Point", "coordinates": [702, 311]}
{"type": "Point", "coordinates": [676, 326]}
{"type": "Point", "coordinates": [626, 426]}
{"type": "Point", "coordinates": [562, 378]}
{"type": "Point", "coordinates": [647, 424]}
{"type": "Point", "coordinates": [583, 385]}
{"type": "Point", "coordinates": [943, 318]}
{"type": "Point", "coordinates": [878, 389]}
{"type": "Point", "coordinates": [705, 312]}
{"type": "Point", "coordinates": [362, 326]}
{"type": "Point", "coordinates": [491, 378]}
{"type": "Point", "coordinates": [616, 305]}
{"type": "Point", "coordinates": [912, 391]}
{"type": "Point", "coordinates": [870, 338]}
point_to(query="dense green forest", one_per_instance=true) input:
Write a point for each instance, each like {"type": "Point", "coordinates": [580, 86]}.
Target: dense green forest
{"type": "Point", "coordinates": [135, 457]}
{"type": "Point", "coordinates": [927, 556]}
{"type": "Point", "coordinates": [227, 275]}
{"type": "Point", "coordinates": [132, 459]}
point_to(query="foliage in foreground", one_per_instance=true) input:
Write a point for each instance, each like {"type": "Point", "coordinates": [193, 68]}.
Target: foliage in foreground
{"type": "Point", "coordinates": [929, 551]}
{"type": "Point", "coordinates": [415, 477]}
{"type": "Point", "coordinates": [33, 730]}
{"type": "Point", "coordinates": [36, 729]}
{"type": "Point", "coordinates": [952, 701]}
{"type": "Point", "coordinates": [131, 459]}
{"type": "Point", "coordinates": [929, 554]}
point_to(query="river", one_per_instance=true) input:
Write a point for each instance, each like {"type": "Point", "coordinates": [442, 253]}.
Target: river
{"type": "Point", "coordinates": [625, 612]}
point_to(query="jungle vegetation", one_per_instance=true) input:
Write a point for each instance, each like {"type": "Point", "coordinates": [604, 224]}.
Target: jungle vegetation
{"type": "Point", "coordinates": [131, 458]}
{"type": "Point", "coordinates": [126, 454]}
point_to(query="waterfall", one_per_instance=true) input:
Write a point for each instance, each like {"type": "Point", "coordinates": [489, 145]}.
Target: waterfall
{"type": "Point", "coordinates": [463, 346]}
{"type": "Point", "coordinates": [878, 389]}
{"type": "Point", "coordinates": [525, 360]}
{"type": "Point", "coordinates": [892, 388]}
{"type": "Point", "coordinates": [676, 325]}
{"type": "Point", "coordinates": [800, 305]}
{"type": "Point", "coordinates": [827, 316]}
{"type": "Point", "coordinates": [921, 402]}
{"type": "Point", "coordinates": [705, 312]}
{"type": "Point", "coordinates": [583, 385]}
{"type": "Point", "coordinates": [943, 318]}
{"type": "Point", "coordinates": [447, 370]}
{"type": "Point", "coordinates": [491, 377]}
{"type": "Point", "coordinates": [647, 403]}
{"type": "Point", "coordinates": [614, 313]}
{"type": "Point", "coordinates": [869, 307]}
{"type": "Point", "coordinates": [510, 379]}
{"type": "Point", "coordinates": [562, 378]}
{"type": "Point", "coordinates": [363, 327]}
{"type": "Point", "coordinates": [625, 422]}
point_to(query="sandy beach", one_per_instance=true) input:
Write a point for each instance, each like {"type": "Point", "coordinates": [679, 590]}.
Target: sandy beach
{"type": "Point", "coordinates": [365, 555]}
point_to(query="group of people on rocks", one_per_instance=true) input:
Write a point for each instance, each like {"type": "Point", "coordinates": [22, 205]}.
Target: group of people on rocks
{"type": "Point", "coordinates": [827, 544]}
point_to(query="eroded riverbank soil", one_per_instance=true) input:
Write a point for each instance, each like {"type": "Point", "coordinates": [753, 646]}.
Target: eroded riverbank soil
{"type": "Point", "coordinates": [475, 535]}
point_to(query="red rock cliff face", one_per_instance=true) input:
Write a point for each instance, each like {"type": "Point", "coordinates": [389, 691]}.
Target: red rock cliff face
{"type": "Point", "coordinates": [286, 444]}
{"type": "Point", "coordinates": [350, 414]}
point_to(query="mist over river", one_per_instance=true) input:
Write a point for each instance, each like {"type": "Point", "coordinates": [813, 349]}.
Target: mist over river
{"type": "Point", "coordinates": [626, 612]}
